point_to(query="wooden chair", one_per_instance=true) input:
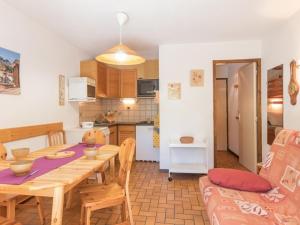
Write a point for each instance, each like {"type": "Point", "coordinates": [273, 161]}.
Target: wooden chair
{"type": "Point", "coordinates": [3, 153]}
{"type": "Point", "coordinates": [97, 134]}
{"type": "Point", "coordinates": [11, 201]}
{"type": "Point", "coordinates": [94, 197]}
{"type": "Point", "coordinates": [100, 139]}
{"type": "Point", "coordinates": [57, 138]}
{"type": "Point", "coordinates": [129, 221]}
{"type": "Point", "coordinates": [5, 221]}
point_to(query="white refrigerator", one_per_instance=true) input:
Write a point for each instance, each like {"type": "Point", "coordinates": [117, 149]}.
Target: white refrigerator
{"type": "Point", "coordinates": [144, 144]}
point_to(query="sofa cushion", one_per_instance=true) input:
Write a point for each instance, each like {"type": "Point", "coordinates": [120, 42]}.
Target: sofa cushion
{"type": "Point", "coordinates": [282, 165]}
{"type": "Point", "coordinates": [238, 180]}
{"type": "Point", "coordinates": [231, 207]}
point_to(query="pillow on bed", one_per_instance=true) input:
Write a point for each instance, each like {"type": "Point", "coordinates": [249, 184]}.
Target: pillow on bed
{"type": "Point", "coordinates": [239, 180]}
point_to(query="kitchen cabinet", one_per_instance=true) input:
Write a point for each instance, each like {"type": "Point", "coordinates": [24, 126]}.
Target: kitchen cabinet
{"type": "Point", "coordinates": [128, 83]}
{"type": "Point", "coordinates": [125, 131]}
{"type": "Point", "coordinates": [89, 69]}
{"type": "Point", "coordinates": [113, 82]}
{"type": "Point", "coordinates": [101, 82]}
{"type": "Point", "coordinates": [113, 136]}
{"type": "Point", "coordinates": [96, 71]}
{"type": "Point", "coordinates": [118, 81]}
{"type": "Point", "coordinates": [151, 69]}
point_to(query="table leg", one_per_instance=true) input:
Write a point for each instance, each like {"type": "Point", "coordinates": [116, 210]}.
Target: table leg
{"type": "Point", "coordinates": [57, 206]}
{"type": "Point", "coordinates": [112, 169]}
{"type": "Point", "coordinates": [11, 209]}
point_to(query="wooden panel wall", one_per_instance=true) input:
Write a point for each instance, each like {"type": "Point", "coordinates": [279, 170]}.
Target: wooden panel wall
{"type": "Point", "coordinates": [19, 133]}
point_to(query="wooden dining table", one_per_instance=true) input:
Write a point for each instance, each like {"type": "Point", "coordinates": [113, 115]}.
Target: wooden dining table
{"type": "Point", "coordinates": [59, 181]}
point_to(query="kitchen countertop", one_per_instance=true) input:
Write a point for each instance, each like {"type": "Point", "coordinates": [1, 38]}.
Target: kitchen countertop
{"type": "Point", "coordinates": [141, 123]}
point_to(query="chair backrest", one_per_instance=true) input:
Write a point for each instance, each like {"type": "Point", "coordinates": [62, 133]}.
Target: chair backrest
{"type": "Point", "coordinates": [282, 165]}
{"type": "Point", "coordinates": [126, 154]}
{"type": "Point", "coordinates": [57, 138]}
{"type": "Point", "coordinates": [97, 134]}
{"type": "Point", "coordinates": [3, 152]}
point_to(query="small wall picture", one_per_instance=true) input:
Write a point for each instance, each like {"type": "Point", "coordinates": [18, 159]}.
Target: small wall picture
{"type": "Point", "coordinates": [61, 90]}
{"type": "Point", "coordinates": [9, 72]}
{"type": "Point", "coordinates": [174, 91]}
{"type": "Point", "coordinates": [197, 78]}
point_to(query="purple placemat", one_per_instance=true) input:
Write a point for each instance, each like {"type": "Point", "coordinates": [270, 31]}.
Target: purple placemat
{"type": "Point", "coordinates": [43, 165]}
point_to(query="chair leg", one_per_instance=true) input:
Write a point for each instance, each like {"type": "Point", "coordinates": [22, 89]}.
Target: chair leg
{"type": "Point", "coordinates": [69, 199]}
{"type": "Point", "coordinates": [11, 209]}
{"type": "Point", "coordinates": [87, 216]}
{"type": "Point", "coordinates": [3, 211]}
{"type": "Point", "coordinates": [101, 178]}
{"type": "Point", "coordinates": [123, 211]}
{"type": "Point", "coordinates": [82, 215]}
{"type": "Point", "coordinates": [40, 210]}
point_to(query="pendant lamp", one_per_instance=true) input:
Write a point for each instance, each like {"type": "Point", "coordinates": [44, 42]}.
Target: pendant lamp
{"type": "Point", "coordinates": [120, 54]}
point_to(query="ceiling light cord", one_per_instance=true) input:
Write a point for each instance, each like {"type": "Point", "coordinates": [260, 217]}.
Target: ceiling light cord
{"type": "Point", "coordinates": [120, 35]}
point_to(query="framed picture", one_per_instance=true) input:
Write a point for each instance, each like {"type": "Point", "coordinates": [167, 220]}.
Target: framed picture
{"type": "Point", "coordinates": [61, 80]}
{"type": "Point", "coordinates": [197, 78]}
{"type": "Point", "coordinates": [9, 72]}
{"type": "Point", "coordinates": [174, 91]}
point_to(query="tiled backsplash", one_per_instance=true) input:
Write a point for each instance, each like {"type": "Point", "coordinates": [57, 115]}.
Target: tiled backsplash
{"type": "Point", "coordinates": [142, 110]}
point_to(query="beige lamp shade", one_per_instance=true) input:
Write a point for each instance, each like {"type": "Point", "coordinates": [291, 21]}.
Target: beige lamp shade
{"type": "Point", "coordinates": [120, 55]}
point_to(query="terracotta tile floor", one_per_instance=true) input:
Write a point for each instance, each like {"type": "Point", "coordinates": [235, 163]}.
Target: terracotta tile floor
{"type": "Point", "coordinates": [154, 199]}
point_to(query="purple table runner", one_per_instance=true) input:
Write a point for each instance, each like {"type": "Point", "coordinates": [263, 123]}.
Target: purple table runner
{"type": "Point", "coordinates": [42, 164]}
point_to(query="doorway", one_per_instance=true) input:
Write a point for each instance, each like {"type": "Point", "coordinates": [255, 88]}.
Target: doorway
{"type": "Point", "coordinates": [237, 113]}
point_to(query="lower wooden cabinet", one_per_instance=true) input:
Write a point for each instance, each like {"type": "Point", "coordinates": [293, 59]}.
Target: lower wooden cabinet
{"type": "Point", "coordinates": [113, 135]}
{"type": "Point", "coordinates": [125, 131]}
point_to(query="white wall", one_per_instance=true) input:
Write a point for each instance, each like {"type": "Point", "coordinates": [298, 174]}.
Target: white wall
{"type": "Point", "coordinates": [43, 57]}
{"type": "Point", "coordinates": [193, 114]}
{"type": "Point", "coordinates": [281, 47]}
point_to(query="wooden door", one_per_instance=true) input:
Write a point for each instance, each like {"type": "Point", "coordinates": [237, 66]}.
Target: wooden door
{"type": "Point", "coordinates": [128, 83]}
{"type": "Point", "coordinates": [247, 117]}
{"type": "Point", "coordinates": [113, 82]}
{"type": "Point", "coordinates": [221, 113]}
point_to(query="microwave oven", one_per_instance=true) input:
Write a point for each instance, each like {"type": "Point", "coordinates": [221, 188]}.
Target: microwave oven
{"type": "Point", "coordinates": [147, 87]}
{"type": "Point", "coordinates": [82, 89]}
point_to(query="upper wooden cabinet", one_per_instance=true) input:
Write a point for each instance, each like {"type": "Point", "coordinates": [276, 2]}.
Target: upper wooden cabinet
{"type": "Point", "coordinates": [128, 83]}
{"type": "Point", "coordinates": [101, 83]}
{"type": "Point", "coordinates": [151, 69]}
{"type": "Point", "coordinates": [96, 71]}
{"type": "Point", "coordinates": [89, 69]}
{"type": "Point", "coordinates": [113, 82]}
{"type": "Point", "coordinates": [118, 81]}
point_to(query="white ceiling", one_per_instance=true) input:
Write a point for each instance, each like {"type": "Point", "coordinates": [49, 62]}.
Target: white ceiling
{"type": "Point", "coordinates": [91, 24]}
